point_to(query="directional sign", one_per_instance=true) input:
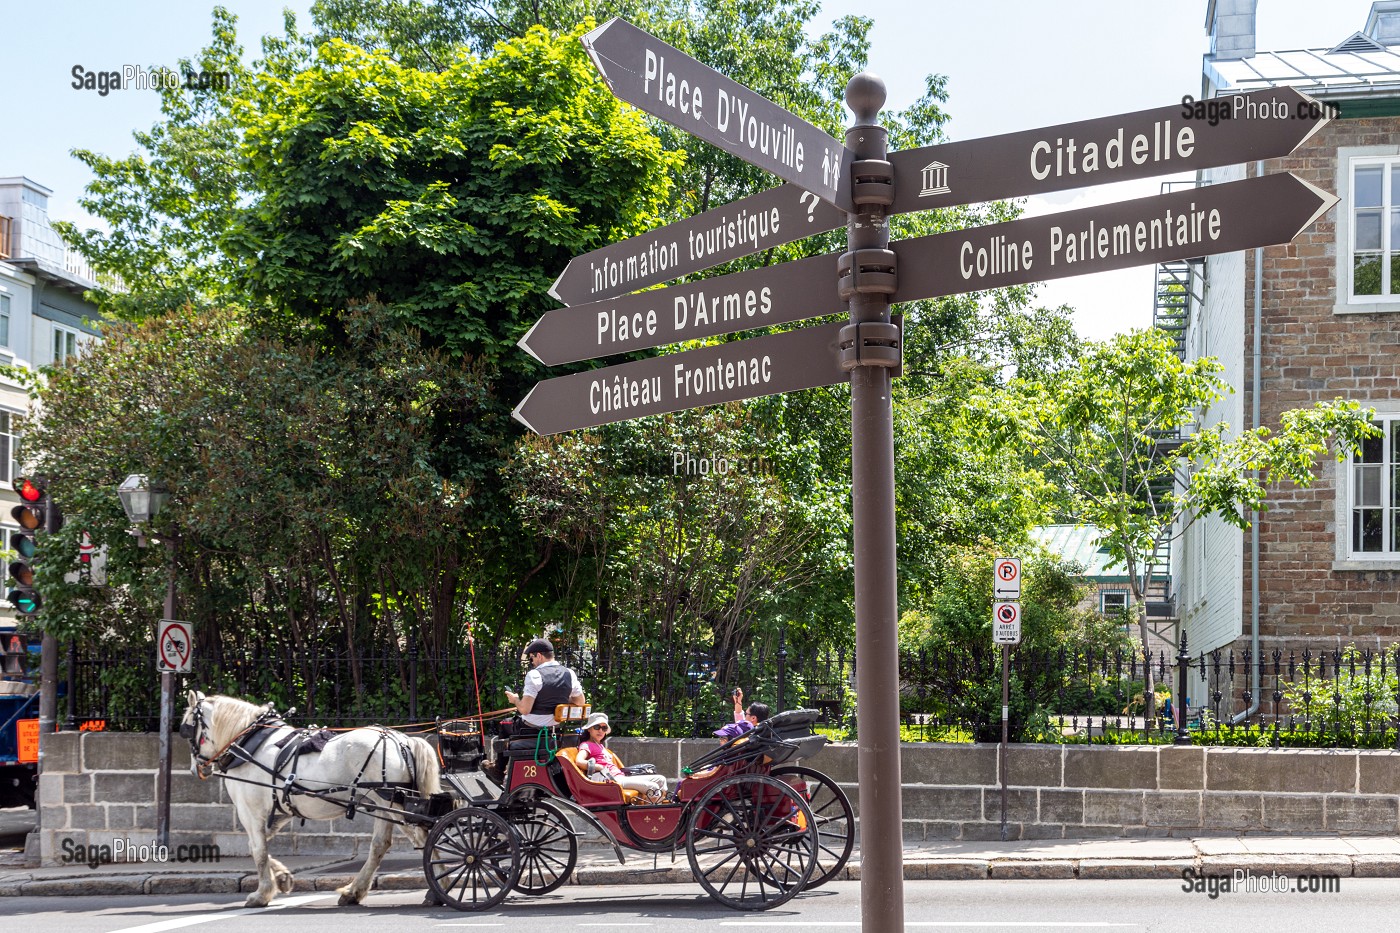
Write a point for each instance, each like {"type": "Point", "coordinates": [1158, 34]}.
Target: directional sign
{"type": "Point", "coordinates": [800, 359]}
{"type": "Point", "coordinates": [1259, 125]}
{"type": "Point", "coordinates": [748, 225]}
{"type": "Point", "coordinates": [1145, 231]}
{"type": "Point", "coordinates": [174, 646]}
{"type": "Point", "coordinates": [665, 82]}
{"type": "Point", "coordinates": [1006, 623]}
{"type": "Point", "coordinates": [781, 294]}
{"type": "Point", "coordinates": [1006, 578]}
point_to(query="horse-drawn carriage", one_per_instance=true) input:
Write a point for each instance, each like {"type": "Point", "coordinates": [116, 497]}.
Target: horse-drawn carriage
{"type": "Point", "coordinates": [756, 827]}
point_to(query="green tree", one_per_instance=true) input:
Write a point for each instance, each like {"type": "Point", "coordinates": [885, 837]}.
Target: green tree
{"type": "Point", "coordinates": [305, 505]}
{"type": "Point", "coordinates": [1113, 432]}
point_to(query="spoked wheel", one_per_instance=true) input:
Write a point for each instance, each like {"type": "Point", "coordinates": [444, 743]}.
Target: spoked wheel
{"type": "Point", "coordinates": [835, 819]}
{"type": "Point", "coordinates": [548, 849]}
{"type": "Point", "coordinates": [752, 842]}
{"type": "Point", "coordinates": [471, 859]}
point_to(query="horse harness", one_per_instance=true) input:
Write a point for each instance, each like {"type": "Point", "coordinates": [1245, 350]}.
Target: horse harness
{"type": "Point", "coordinates": [291, 747]}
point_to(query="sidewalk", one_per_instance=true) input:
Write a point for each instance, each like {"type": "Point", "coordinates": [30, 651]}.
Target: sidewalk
{"type": "Point", "coordinates": [1343, 856]}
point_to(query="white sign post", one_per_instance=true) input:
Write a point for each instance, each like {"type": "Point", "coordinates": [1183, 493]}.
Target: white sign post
{"type": "Point", "coordinates": [174, 647]}
{"type": "Point", "coordinates": [1006, 631]}
{"type": "Point", "coordinates": [1006, 578]}
{"type": "Point", "coordinates": [1006, 623]}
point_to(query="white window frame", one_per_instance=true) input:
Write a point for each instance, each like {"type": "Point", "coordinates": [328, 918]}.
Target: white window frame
{"type": "Point", "coordinates": [60, 330]}
{"type": "Point", "coordinates": [9, 466]}
{"type": "Point", "coordinates": [5, 315]}
{"type": "Point", "coordinates": [1103, 601]}
{"type": "Point", "coordinates": [1345, 479]}
{"type": "Point", "coordinates": [1349, 159]}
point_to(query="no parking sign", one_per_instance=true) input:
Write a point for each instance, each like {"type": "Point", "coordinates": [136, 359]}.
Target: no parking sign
{"type": "Point", "coordinates": [1006, 578]}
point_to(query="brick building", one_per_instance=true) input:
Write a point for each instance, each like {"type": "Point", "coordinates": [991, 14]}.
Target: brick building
{"type": "Point", "coordinates": [1301, 323]}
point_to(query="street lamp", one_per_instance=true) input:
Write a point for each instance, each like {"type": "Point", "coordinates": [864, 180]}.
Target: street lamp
{"type": "Point", "coordinates": [143, 500]}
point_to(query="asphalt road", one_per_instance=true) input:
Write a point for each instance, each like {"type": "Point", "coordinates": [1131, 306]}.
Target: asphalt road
{"type": "Point", "coordinates": [1068, 905]}
{"type": "Point", "coordinates": [15, 824]}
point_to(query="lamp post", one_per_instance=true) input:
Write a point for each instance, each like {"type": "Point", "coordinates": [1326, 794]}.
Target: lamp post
{"type": "Point", "coordinates": [143, 501]}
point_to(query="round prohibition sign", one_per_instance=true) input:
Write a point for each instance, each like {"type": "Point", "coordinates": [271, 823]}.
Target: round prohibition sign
{"type": "Point", "coordinates": [1008, 614]}
{"type": "Point", "coordinates": [1008, 570]}
{"type": "Point", "coordinates": [175, 646]}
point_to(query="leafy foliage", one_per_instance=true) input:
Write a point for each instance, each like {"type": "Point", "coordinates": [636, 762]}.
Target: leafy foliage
{"type": "Point", "coordinates": [267, 450]}
{"type": "Point", "coordinates": [1109, 432]}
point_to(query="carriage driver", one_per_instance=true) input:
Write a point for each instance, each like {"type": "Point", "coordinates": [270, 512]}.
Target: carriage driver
{"type": "Point", "coordinates": [547, 685]}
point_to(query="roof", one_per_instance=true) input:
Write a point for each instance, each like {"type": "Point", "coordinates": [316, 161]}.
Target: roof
{"type": "Point", "coordinates": [1321, 73]}
{"type": "Point", "coordinates": [1080, 544]}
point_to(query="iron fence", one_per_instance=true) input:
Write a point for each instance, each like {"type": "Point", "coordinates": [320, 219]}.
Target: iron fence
{"type": "Point", "coordinates": [1306, 695]}
{"type": "Point", "coordinates": [649, 693]}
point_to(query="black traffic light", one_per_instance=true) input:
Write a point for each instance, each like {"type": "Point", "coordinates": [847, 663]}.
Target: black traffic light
{"type": "Point", "coordinates": [33, 514]}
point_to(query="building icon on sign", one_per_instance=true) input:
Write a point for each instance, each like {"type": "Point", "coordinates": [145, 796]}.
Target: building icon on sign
{"type": "Point", "coordinates": [935, 179]}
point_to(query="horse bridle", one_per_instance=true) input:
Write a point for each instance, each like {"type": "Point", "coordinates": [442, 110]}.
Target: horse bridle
{"type": "Point", "coordinates": [222, 759]}
{"type": "Point", "coordinates": [191, 731]}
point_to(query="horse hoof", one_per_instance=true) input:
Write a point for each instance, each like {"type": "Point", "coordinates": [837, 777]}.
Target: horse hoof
{"type": "Point", "coordinates": [347, 899]}
{"type": "Point", "coordinates": [255, 900]}
{"type": "Point", "coordinates": [285, 882]}
{"type": "Point", "coordinates": [431, 900]}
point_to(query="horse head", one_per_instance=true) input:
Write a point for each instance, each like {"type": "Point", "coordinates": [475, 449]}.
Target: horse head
{"type": "Point", "coordinates": [212, 723]}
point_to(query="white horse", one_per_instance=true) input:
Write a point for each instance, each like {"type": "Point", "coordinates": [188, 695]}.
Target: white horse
{"type": "Point", "coordinates": [218, 727]}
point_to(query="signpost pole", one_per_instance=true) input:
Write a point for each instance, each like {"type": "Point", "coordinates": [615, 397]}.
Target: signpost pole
{"type": "Point", "coordinates": [868, 357]}
{"type": "Point", "coordinates": [167, 714]}
{"type": "Point", "coordinates": [1005, 727]}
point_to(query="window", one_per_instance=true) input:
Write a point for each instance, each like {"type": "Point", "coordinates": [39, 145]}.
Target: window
{"type": "Point", "coordinates": [9, 445]}
{"type": "Point", "coordinates": [1375, 494]}
{"type": "Point", "coordinates": [65, 343]}
{"type": "Point", "coordinates": [1112, 602]}
{"type": "Point", "coordinates": [4, 320]}
{"type": "Point", "coordinates": [1375, 230]}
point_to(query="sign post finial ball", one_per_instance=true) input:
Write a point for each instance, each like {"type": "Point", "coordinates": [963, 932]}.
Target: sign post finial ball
{"type": "Point", "coordinates": [865, 95]}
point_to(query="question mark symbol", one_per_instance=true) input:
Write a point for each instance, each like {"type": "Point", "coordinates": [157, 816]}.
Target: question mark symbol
{"type": "Point", "coordinates": [810, 207]}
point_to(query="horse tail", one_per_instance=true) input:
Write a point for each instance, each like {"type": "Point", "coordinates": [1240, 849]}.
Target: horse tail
{"type": "Point", "coordinates": [426, 765]}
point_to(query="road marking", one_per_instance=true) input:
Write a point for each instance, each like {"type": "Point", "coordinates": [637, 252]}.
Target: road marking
{"type": "Point", "coordinates": [942, 923]}
{"type": "Point", "coordinates": [176, 923]}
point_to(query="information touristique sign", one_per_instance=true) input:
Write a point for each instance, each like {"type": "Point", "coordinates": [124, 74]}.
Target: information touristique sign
{"type": "Point", "coordinates": [740, 228]}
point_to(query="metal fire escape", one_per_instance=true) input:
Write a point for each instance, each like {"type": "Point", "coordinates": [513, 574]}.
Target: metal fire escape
{"type": "Point", "coordinates": [1177, 293]}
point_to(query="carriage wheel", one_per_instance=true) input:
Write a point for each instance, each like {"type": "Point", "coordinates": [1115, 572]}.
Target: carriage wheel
{"type": "Point", "coordinates": [752, 842]}
{"type": "Point", "coordinates": [548, 849]}
{"type": "Point", "coordinates": [471, 859]}
{"type": "Point", "coordinates": [835, 820]}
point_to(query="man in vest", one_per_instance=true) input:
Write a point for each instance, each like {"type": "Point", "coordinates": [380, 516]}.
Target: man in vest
{"type": "Point", "coordinates": [547, 685]}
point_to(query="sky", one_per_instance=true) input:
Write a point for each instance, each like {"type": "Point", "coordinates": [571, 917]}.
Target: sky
{"type": "Point", "coordinates": [1011, 65]}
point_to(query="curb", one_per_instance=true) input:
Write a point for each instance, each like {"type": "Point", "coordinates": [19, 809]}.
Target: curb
{"type": "Point", "coordinates": [949, 869]}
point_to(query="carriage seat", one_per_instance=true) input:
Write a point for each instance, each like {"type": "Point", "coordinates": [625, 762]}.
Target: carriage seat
{"type": "Point", "coordinates": [590, 790]}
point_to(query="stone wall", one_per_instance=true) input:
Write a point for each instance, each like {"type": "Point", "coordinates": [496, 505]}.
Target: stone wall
{"type": "Point", "coordinates": [100, 786]}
